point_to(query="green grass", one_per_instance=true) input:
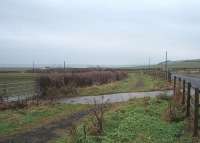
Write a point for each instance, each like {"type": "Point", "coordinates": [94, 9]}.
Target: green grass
{"type": "Point", "coordinates": [185, 64]}
{"type": "Point", "coordinates": [16, 83]}
{"type": "Point", "coordinates": [177, 64]}
{"type": "Point", "coordinates": [16, 77]}
{"type": "Point", "coordinates": [12, 121]}
{"type": "Point", "coordinates": [135, 82]}
{"type": "Point", "coordinates": [135, 122]}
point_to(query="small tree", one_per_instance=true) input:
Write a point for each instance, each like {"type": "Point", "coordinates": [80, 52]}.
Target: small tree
{"type": "Point", "coordinates": [98, 115]}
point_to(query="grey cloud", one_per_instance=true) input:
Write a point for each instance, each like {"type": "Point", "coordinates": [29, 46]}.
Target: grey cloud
{"type": "Point", "coordinates": [98, 32]}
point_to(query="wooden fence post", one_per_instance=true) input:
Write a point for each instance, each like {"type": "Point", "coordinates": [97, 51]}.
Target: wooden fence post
{"type": "Point", "coordinates": [169, 77]}
{"type": "Point", "coordinates": [179, 83]}
{"type": "Point", "coordinates": [174, 85]}
{"type": "Point", "coordinates": [196, 112]}
{"type": "Point", "coordinates": [179, 87]}
{"type": "Point", "coordinates": [188, 99]}
{"type": "Point", "coordinates": [183, 98]}
{"type": "Point", "coordinates": [5, 91]}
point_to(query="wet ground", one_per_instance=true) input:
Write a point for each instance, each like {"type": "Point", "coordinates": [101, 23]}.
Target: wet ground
{"type": "Point", "coordinates": [113, 98]}
{"type": "Point", "coordinates": [47, 132]}
{"type": "Point", "coordinates": [51, 131]}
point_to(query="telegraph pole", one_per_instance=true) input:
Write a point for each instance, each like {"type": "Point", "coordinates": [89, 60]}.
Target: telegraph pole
{"type": "Point", "coordinates": [33, 66]}
{"type": "Point", "coordinates": [64, 66]}
{"type": "Point", "coordinates": [149, 63]}
{"type": "Point", "coordinates": [166, 62]}
{"type": "Point", "coordinates": [166, 65]}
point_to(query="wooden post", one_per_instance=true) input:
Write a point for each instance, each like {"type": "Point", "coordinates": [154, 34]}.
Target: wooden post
{"type": "Point", "coordinates": [169, 77]}
{"type": "Point", "coordinates": [5, 91]}
{"type": "Point", "coordinates": [174, 85]}
{"type": "Point", "coordinates": [188, 99]}
{"type": "Point", "coordinates": [179, 83]}
{"type": "Point", "coordinates": [179, 87]}
{"type": "Point", "coordinates": [196, 112]}
{"type": "Point", "coordinates": [183, 98]}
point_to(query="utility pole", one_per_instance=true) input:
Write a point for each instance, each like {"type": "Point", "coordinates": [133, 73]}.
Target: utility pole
{"type": "Point", "coordinates": [166, 66]}
{"type": "Point", "coordinates": [166, 62]}
{"type": "Point", "coordinates": [33, 66]}
{"type": "Point", "coordinates": [149, 63]}
{"type": "Point", "coordinates": [64, 66]}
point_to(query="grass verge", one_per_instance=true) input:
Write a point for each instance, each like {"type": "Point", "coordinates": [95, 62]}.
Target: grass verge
{"type": "Point", "coordinates": [20, 120]}
{"type": "Point", "coordinates": [134, 122]}
{"type": "Point", "coordinates": [134, 83]}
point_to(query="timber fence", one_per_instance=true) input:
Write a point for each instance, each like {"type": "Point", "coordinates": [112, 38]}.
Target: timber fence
{"type": "Point", "coordinates": [188, 88]}
{"type": "Point", "coordinates": [19, 92]}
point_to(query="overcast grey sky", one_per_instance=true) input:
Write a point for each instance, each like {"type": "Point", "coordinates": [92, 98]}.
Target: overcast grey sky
{"type": "Point", "coordinates": [98, 32]}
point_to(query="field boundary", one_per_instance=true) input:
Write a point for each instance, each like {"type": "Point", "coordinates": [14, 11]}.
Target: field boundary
{"type": "Point", "coordinates": [19, 92]}
{"type": "Point", "coordinates": [188, 88]}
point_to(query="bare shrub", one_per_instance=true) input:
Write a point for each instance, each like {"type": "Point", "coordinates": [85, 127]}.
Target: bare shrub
{"type": "Point", "coordinates": [13, 105]}
{"type": "Point", "coordinates": [69, 81]}
{"type": "Point", "coordinates": [98, 117]}
{"type": "Point", "coordinates": [178, 96]}
{"type": "Point", "coordinates": [146, 101]}
{"type": "Point", "coordinates": [73, 134]}
{"type": "Point", "coordinates": [139, 84]}
{"type": "Point", "coordinates": [4, 106]}
{"type": "Point", "coordinates": [69, 89]}
{"type": "Point", "coordinates": [164, 97]}
{"type": "Point", "coordinates": [52, 92]}
{"type": "Point", "coordinates": [174, 113]}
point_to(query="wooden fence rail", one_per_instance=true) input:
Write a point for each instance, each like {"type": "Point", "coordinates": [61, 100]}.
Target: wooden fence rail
{"type": "Point", "coordinates": [189, 98]}
{"type": "Point", "coordinates": [189, 88]}
{"type": "Point", "coordinates": [19, 92]}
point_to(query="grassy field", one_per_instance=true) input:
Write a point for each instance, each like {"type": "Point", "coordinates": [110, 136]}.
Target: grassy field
{"type": "Point", "coordinates": [184, 64]}
{"type": "Point", "coordinates": [20, 120]}
{"type": "Point", "coordinates": [137, 121]}
{"type": "Point", "coordinates": [17, 84]}
{"type": "Point", "coordinates": [134, 83]}
{"type": "Point", "coordinates": [133, 122]}
{"type": "Point", "coordinates": [16, 77]}
{"type": "Point", "coordinates": [176, 64]}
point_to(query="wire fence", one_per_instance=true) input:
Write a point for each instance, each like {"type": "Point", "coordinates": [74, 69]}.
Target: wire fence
{"type": "Point", "coordinates": [19, 91]}
{"type": "Point", "coordinates": [187, 88]}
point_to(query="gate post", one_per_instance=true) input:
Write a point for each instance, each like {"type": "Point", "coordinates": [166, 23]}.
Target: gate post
{"type": "Point", "coordinates": [188, 99]}
{"type": "Point", "coordinates": [169, 77]}
{"type": "Point", "coordinates": [174, 85]}
{"type": "Point", "coordinates": [183, 98]}
{"type": "Point", "coordinates": [196, 112]}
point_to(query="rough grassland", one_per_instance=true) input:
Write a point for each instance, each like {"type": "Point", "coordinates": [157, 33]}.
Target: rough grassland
{"type": "Point", "coordinates": [134, 83]}
{"type": "Point", "coordinates": [134, 122]}
{"type": "Point", "coordinates": [13, 121]}
{"type": "Point", "coordinates": [16, 77]}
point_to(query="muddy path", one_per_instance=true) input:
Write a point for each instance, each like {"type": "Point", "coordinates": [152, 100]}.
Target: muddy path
{"type": "Point", "coordinates": [112, 98]}
{"type": "Point", "coordinates": [50, 131]}
{"type": "Point", "coordinates": [47, 132]}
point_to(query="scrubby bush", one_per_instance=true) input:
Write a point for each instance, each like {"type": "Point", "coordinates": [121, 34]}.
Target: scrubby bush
{"type": "Point", "coordinates": [164, 97]}
{"type": "Point", "coordinates": [174, 113]}
{"type": "Point", "coordinates": [74, 80]}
